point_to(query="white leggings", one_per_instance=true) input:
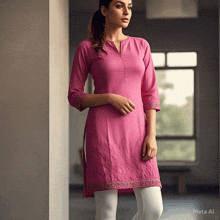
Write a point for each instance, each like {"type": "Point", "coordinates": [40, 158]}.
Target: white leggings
{"type": "Point", "coordinates": [149, 203]}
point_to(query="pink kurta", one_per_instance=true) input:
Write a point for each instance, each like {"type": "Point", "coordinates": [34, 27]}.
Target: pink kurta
{"type": "Point", "coordinates": [114, 141]}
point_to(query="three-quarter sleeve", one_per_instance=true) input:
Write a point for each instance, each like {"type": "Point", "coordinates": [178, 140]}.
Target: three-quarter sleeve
{"type": "Point", "coordinates": [79, 74]}
{"type": "Point", "coordinates": [149, 89]}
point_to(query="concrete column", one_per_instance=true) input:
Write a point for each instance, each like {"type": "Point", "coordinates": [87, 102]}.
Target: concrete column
{"type": "Point", "coordinates": [34, 65]}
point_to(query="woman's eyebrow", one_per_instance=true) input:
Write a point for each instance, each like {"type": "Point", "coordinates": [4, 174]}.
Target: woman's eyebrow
{"type": "Point", "coordinates": [122, 2]}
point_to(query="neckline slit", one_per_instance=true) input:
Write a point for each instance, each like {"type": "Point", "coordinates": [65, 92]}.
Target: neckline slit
{"type": "Point", "coordinates": [120, 44]}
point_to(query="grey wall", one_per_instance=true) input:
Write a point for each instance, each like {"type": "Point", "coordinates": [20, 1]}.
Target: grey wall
{"type": "Point", "coordinates": [199, 35]}
{"type": "Point", "coordinates": [24, 109]}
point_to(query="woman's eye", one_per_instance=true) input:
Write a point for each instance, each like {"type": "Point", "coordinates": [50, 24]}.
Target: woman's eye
{"type": "Point", "coordinates": [119, 6]}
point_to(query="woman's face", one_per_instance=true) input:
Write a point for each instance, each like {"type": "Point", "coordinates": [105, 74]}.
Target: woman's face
{"type": "Point", "coordinates": [118, 12]}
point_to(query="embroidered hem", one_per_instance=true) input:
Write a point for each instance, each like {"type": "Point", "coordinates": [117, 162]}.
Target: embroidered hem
{"type": "Point", "coordinates": [151, 105]}
{"type": "Point", "coordinates": [132, 184]}
{"type": "Point", "coordinates": [78, 102]}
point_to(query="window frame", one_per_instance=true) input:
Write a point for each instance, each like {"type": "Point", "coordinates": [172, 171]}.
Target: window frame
{"type": "Point", "coordinates": [195, 135]}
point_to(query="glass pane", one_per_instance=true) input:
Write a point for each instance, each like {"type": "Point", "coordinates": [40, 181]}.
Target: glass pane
{"type": "Point", "coordinates": [182, 59]}
{"type": "Point", "coordinates": [176, 91]}
{"type": "Point", "coordinates": [176, 150]}
{"type": "Point", "coordinates": [158, 59]}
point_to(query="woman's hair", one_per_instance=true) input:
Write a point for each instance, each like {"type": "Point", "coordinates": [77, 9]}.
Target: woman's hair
{"type": "Point", "coordinates": [97, 27]}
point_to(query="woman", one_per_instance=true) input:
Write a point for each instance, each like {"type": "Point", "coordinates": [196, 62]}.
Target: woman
{"type": "Point", "coordinates": [120, 127]}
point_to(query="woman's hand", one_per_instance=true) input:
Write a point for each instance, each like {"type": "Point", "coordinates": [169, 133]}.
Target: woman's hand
{"type": "Point", "coordinates": [124, 105]}
{"type": "Point", "coordinates": [149, 149]}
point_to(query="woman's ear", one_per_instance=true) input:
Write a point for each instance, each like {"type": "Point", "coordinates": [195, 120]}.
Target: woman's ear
{"type": "Point", "coordinates": [103, 10]}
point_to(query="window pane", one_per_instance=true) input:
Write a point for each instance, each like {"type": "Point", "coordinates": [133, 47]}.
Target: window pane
{"type": "Point", "coordinates": [176, 150]}
{"type": "Point", "coordinates": [158, 59]}
{"type": "Point", "coordinates": [176, 90]}
{"type": "Point", "coordinates": [182, 59]}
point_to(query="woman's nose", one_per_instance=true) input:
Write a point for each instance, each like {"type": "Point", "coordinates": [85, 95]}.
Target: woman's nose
{"type": "Point", "coordinates": [126, 11]}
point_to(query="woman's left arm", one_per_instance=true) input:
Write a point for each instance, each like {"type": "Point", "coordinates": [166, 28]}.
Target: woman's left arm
{"type": "Point", "coordinates": [149, 149]}
{"type": "Point", "coordinates": [151, 103]}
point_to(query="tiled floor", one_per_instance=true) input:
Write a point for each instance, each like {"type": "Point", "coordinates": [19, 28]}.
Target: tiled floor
{"type": "Point", "coordinates": [192, 206]}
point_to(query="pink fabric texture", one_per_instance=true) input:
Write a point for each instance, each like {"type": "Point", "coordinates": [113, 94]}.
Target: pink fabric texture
{"type": "Point", "coordinates": [114, 141]}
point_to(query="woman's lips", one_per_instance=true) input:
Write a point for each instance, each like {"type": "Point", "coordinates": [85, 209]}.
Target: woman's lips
{"type": "Point", "coordinates": [125, 20]}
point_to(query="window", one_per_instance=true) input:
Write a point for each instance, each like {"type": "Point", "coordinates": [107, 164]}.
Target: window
{"type": "Point", "coordinates": [176, 122]}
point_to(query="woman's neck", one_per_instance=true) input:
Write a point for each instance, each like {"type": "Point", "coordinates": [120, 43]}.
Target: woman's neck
{"type": "Point", "coordinates": [114, 34]}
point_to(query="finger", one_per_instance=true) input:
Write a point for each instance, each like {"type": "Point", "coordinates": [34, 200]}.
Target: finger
{"type": "Point", "coordinates": [152, 154]}
{"type": "Point", "coordinates": [149, 152]}
{"type": "Point", "coordinates": [132, 104]}
{"type": "Point", "coordinates": [146, 158]}
{"type": "Point", "coordinates": [155, 152]}
{"type": "Point", "coordinates": [150, 157]}
{"type": "Point", "coordinates": [123, 112]}
{"type": "Point", "coordinates": [130, 108]}
{"type": "Point", "coordinates": [126, 110]}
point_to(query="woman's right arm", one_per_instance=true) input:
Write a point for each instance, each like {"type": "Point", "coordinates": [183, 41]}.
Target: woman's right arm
{"type": "Point", "coordinates": [124, 105]}
{"type": "Point", "coordinates": [92, 100]}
